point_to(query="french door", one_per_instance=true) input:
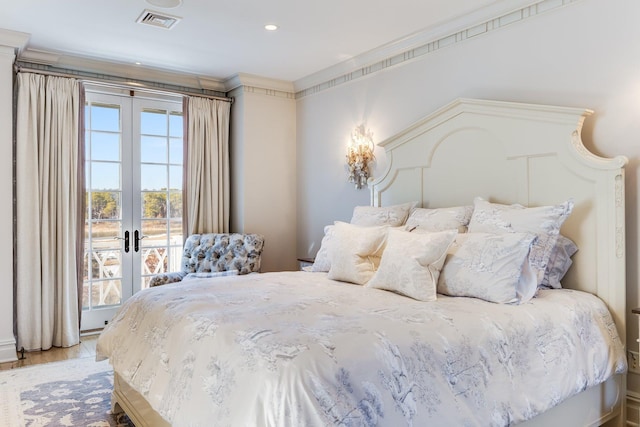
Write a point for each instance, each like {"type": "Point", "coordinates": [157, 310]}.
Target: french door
{"type": "Point", "coordinates": [133, 218]}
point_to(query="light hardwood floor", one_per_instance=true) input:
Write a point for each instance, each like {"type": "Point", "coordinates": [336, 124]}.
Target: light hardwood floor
{"type": "Point", "coordinates": [86, 348]}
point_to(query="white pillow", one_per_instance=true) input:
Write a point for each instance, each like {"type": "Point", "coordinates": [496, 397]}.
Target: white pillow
{"type": "Point", "coordinates": [492, 267]}
{"type": "Point", "coordinates": [395, 215]}
{"type": "Point", "coordinates": [543, 221]}
{"type": "Point", "coordinates": [322, 261]}
{"type": "Point", "coordinates": [356, 251]}
{"type": "Point", "coordinates": [411, 263]}
{"type": "Point", "coordinates": [559, 262]}
{"type": "Point", "coordinates": [439, 219]}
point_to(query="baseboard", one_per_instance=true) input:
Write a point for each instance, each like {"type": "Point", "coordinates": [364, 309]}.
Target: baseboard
{"type": "Point", "coordinates": [8, 351]}
{"type": "Point", "coordinates": [633, 409]}
{"type": "Point", "coordinates": [90, 332]}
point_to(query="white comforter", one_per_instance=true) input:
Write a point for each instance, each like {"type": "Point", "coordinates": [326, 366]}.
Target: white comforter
{"type": "Point", "coordinates": [297, 349]}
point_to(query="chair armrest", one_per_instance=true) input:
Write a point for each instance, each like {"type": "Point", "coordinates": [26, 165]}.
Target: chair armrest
{"type": "Point", "coordinates": [163, 279]}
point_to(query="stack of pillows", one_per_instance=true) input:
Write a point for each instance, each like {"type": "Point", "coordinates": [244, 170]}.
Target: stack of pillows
{"type": "Point", "coordinates": [498, 253]}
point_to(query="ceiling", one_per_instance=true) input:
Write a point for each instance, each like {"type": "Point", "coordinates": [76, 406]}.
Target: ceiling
{"type": "Point", "coordinates": [219, 38]}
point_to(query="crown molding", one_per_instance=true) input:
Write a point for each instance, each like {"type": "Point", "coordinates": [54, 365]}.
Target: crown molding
{"type": "Point", "coordinates": [482, 21]}
{"type": "Point", "coordinates": [119, 69]}
{"type": "Point", "coordinates": [39, 57]}
{"type": "Point", "coordinates": [257, 82]}
{"type": "Point", "coordinates": [250, 82]}
{"type": "Point", "coordinates": [209, 83]}
{"type": "Point", "coordinates": [14, 39]}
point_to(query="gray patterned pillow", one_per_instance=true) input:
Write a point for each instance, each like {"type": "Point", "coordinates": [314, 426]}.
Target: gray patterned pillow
{"type": "Point", "coordinates": [559, 262]}
{"type": "Point", "coordinates": [439, 219]}
{"type": "Point", "coordinates": [543, 221]}
{"type": "Point", "coordinates": [394, 216]}
{"type": "Point", "coordinates": [492, 267]}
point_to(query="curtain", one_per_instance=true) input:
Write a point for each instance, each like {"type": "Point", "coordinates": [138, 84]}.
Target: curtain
{"type": "Point", "coordinates": [49, 211]}
{"type": "Point", "coordinates": [206, 166]}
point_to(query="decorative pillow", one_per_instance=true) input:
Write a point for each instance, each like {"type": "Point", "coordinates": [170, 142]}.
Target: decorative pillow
{"type": "Point", "coordinates": [492, 267]}
{"type": "Point", "coordinates": [356, 251]}
{"type": "Point", "coordinates": [207, 275]}
{"type": "Point", "coordinates": [395, 215]}
{"type": "Point", "coordinates": [439, 219]}
{"type": "Point", "coordinates": [322, 261]}
{"type": "Point", "coordinates": [559, 262]}
{"type": "Point", "coordinates": [543, 221]}
{"type": "Point", "coordinates": [411, 263]}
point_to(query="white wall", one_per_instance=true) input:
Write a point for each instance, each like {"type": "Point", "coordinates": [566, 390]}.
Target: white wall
{"type": "Point", "coordinates": [263, 153]}
{"type": "Point", "coordinates": [585, 54]}
{"type": "Point", "coordinates": [236, 161]}
{"type": "Point", "coordinates": [7, 341]}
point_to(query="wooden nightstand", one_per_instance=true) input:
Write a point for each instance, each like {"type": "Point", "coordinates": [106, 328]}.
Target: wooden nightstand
{"type": "Point", "coordinates": [305, 262]}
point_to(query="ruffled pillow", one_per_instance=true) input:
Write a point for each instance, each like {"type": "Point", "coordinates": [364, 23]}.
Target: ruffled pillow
{"type": "Point", "coordinates": [394, 216]}
{"type": "Point", "coordinates": [543, 221]}
{"type": "Point", "coordinates": [439, 219]}
{"type": "Point", "coordinates": [492, 267]}
{"type": "Point", "coordinates": [559, 262]}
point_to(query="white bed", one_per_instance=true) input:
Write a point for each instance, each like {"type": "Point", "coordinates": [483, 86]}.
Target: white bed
{"type": "Point", "coordinates": [532, 155]}
{"type": "Point", "coordinates": [505, 152]}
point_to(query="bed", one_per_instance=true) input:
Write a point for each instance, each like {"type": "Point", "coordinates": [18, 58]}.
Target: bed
{"type": "Point", "coordinates": [299, 348]}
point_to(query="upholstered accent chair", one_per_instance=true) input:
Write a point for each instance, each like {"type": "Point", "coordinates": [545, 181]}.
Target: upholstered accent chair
{"type": "Point", "coordinates": [216, 254]}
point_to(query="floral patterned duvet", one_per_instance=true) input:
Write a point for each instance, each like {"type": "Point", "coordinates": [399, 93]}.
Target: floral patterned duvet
{"type": "Point", "coordinates": [298, 349]}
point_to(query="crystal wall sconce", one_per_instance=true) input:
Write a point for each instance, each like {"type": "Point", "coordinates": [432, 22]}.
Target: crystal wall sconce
{"type": "Point", "coordinates": [360, 155]}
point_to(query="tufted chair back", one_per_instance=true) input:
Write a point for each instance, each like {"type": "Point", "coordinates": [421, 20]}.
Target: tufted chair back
{"type": "Point", "coordinates": [212, 254]}
{"type": "Point", "coordinates": [204, 253]}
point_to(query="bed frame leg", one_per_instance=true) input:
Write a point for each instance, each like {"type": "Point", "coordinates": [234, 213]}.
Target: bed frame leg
{"type": "Point", "coordinates": [115, 406]}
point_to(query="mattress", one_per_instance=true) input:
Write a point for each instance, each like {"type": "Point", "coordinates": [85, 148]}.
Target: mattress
{"type": "Point", "coordinates": [295, 348]}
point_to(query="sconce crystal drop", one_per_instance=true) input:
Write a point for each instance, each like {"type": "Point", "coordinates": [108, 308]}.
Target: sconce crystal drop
{"type": "Point", "coordinates": [360, 155]}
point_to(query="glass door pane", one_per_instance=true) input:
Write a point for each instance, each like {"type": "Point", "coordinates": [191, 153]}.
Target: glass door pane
{"type": "Point", "coordinates": [104, 281]}
{"type": "Point", "coordinates": [133, 157]}
{"type": "Point", "coordinates": [106, 269]}
{"type": "Point", "coordinates": [160, 190]}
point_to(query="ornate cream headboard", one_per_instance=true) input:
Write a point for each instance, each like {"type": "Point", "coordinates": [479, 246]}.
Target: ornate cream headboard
{"type": "Point", "coordinates": [518, 153]}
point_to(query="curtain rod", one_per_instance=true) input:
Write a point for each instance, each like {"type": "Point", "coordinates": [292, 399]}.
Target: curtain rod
{"type": "Point", "coordinates": [123, 85]}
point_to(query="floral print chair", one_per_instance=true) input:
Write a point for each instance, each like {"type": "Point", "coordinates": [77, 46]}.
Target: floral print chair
{"type": "Point", "coordinates": [216, 254]}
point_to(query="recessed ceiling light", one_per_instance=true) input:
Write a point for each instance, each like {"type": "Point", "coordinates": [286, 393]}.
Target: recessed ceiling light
{"type": "Point", "coordinates": [271, 27]}
{"type": "Point", "coordinates": [168, 4]}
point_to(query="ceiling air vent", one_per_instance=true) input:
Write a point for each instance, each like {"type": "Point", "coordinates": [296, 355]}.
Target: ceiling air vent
{"type": "Point", "coordinates": [149, 17]}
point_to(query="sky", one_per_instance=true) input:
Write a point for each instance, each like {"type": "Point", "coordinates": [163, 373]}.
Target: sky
{"type": "Point", "coordinates": [160, 149]}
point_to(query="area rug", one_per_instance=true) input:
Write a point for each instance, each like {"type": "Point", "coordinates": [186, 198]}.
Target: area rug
{"type": "Point", "coordinates": [75, 393]}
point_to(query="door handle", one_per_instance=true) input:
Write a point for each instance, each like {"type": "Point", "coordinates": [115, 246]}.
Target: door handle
{"type": "Point", "coordinates": [126, 240]}
{"type": "Point", "coordinates": [136, 240]}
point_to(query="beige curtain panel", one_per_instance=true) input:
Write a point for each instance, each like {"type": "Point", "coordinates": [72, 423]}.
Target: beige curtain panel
{"type": "Point", "coordinates": [207, 166]}
{"type": "Point", "coordinates": [47, 158]}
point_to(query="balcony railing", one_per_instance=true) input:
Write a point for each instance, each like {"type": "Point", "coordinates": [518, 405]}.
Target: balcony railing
{"type": "Point", "coordinates": [105, 288]}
